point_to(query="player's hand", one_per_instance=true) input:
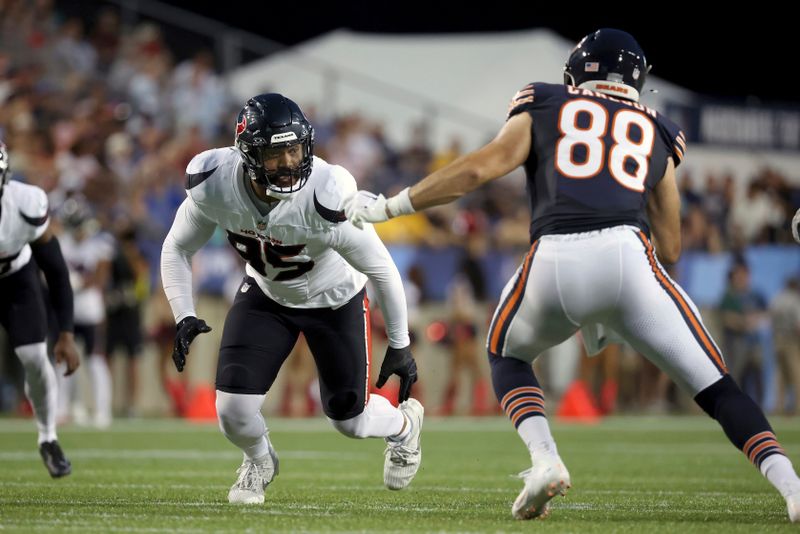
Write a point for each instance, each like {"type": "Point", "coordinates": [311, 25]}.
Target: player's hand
{"type": "Point", "coordinates": [66, 351]}
{"type": "Point", "coordinates": [366, 207]}
{"type": "Point", "coordinates": [399, 362]}
{"type": "Point", "coordinates": [188, 329]}
{"type": "Point", "coordinates": [796, 226]}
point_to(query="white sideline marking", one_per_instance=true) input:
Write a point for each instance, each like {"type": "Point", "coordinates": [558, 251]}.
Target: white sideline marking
{"type": "Point", "coordinates": [175, 454]}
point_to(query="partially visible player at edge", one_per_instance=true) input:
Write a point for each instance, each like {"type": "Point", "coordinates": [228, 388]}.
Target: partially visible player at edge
{"type": "Point", "coordinates": [282, 210]}
{"type": "Point", "coordinates": [26, 242]}
{"type": "Point", "coordinates": [601, 182]}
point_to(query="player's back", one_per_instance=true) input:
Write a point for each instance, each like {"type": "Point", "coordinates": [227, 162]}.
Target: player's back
{"type": "Point", "coordinates": [593, 158]}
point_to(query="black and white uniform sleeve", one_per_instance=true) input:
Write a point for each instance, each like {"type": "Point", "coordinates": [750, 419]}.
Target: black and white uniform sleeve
{"type": "Point", "coordinates": [365, 251]}
{"type": "Point", "coordinates": [190, 231]}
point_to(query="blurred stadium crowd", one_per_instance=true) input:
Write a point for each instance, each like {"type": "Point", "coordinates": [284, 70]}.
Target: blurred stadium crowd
{"type": "Point", "coordinates": [104, 116]}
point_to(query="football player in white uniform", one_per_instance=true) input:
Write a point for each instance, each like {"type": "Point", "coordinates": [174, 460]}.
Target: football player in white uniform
{"type": "Point", "coordinates": [306, 270]}
{"type": "Point", "coordinates": [601, 185]}
{"type": "Point", "coordinates": [25, 236]}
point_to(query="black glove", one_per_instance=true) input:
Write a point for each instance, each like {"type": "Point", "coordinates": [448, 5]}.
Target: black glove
{"type": "Point", "coordinates": [399, 362]}
{"type": "Point", "coordinates": [188, 329]}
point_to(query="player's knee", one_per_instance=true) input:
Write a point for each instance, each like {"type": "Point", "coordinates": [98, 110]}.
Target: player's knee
{"type": "Point", "coordinates": [343, 405]}
{"type": "Point", "coordinates": [719, 395]}
{"type": "Point", "coordinates": [33, 358]}
{"type": "Point", "coordinates": [354, 427]}
{"type": "Point", "coordinates": [232, 415]}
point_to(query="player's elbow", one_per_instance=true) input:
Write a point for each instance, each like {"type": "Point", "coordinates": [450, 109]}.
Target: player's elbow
{"type": "Point", "coordinates": [670, 252]}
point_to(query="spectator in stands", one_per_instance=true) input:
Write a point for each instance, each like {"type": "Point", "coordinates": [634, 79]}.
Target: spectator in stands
{"type": "Point", "coordinates": [743, 312]}
{"type": "Point", "coordinates": [785, 312]}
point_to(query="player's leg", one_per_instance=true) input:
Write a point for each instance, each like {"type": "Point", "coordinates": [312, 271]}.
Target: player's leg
{"type": "Point", "coordinates": [340, 343]}
{"type": "Point", "coordinates": [528, 321]}
{"type": "Point", "coordinates": [256, 340]}
{"type": "Point", "coordinates": [25, 319]}
{"type": "Point", "coordinates": [661, 322]}
{"type": "Point", "coordinates": [99, 374]}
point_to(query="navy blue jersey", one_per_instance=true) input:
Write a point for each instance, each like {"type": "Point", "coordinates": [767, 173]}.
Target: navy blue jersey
{"type": "Point", "coordinates": [594, 158]}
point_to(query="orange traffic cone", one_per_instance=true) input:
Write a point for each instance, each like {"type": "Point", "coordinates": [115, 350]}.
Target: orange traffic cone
{"type": "Point", "coordinates": [578, 405]}
{"type": "Point", "coordinates": [202, 404]}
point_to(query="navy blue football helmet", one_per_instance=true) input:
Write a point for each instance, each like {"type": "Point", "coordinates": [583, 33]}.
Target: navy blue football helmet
{"type": "Point", "coordinates": [608, 55]}
{"type": "Point", "coordinates": [271, 121]}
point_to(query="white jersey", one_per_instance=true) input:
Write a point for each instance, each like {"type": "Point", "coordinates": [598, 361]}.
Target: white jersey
{"type": "Point", "coordinates": [82, 258]}
{"type": "Point", "coordinates": [302, 254]}
{"type": "Point", "coordinates": [23, 219]}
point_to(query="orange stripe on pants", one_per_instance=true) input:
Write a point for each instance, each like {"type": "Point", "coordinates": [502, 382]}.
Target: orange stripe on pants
{"type": "Point", "coordinates": [694, 323]}
{"type": "Point", "coordinates": [504, 317]}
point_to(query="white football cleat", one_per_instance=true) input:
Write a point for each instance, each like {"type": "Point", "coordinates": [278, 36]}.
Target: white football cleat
{"type": "Point", "coordinates": [547, 478]}
{"type": "Point", "coordinates": [403, 457]}
{"type": "Point", "coordinates": [793, 507]}
{"type": "Point", "coordinates": [254, 477]}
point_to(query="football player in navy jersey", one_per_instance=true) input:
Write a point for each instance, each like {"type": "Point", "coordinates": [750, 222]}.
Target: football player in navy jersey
{"type": "Point", "coordinates": [27, 245]}
{"type": "Point", "coordinates": [605, 213]}
{"type": "Point", "coordinates": [307, 267]}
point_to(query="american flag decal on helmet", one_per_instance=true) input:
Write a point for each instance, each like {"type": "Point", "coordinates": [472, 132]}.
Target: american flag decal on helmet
{"type": "Point", "coordinates": [591, 66]}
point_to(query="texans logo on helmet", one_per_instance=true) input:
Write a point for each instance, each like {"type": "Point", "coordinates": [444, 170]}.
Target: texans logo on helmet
{"type": "Point", "coordinates": [241, 125]}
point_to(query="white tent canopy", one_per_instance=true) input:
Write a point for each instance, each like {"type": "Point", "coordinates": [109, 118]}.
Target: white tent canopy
{"type": "Point", "coordinates": [460, 83]}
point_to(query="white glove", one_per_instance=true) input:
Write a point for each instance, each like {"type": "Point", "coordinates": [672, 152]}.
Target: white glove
{"type": "Point", "coordinates": [796, 226]}
{"type": "Point", "coordinates": [379, 210]}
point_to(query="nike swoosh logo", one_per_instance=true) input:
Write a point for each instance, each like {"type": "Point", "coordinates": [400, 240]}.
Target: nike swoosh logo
{"type": "Point", "coordinates": [328, 214]}
{"type": "Point", "coordinates": [34, 221]}
{"type": "Point", "coordinates": [193, 180]}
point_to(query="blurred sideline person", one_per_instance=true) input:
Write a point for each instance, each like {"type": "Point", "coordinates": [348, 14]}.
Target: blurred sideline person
{"type": "Point", "coordinates": [743, 311]}
{"type": "Point", "coordinates": [281, 208]}
{"type": "Point", "coordinates": [88, 252]}
{"type": "Point", "coordinates": [128, 287]}
{"type": "Point", "coordinates": [785, 313]}
{"type": "Point", "coordinates": [26, 242]}
{"type": "Point", "coordinates": [600, 177]}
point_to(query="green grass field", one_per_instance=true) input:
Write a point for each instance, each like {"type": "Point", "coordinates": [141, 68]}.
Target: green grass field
{"type": "Point", "coordinates": [629, 475]}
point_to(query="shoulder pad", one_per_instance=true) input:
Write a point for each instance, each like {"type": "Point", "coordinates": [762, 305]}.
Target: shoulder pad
{"type": "Point", "coordinates": [331, 193]}
{"type": "Point", "coordinates": [674, 137]}
{"type": "Point", "coordinates": [31, 202]}
{"type": "Point", "coordinates": [203, 166]}
{"type": "Point", "coordinates": [529, 96]}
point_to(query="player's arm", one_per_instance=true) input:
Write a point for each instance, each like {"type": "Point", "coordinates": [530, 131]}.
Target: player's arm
{"type": "Point", "coordinates": [366, 253]}
{"type": "Point", "coordinates": [664, 212]}
{"type": "Point", "coordinates": [47, 253]}
{"type": "Point", "coordinates": [502, 155]}
{"type": "Point", "coordinates": [190, 231]}
{"type": "Point", "coordinates": [499, 157]}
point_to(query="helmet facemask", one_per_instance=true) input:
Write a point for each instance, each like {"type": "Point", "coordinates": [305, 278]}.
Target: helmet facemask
{"type": "Point", "coordinates": [283, 181]}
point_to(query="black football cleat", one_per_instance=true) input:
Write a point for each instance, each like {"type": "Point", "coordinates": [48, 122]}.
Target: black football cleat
{"type": "Point", "coordinates": [54, 460]}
